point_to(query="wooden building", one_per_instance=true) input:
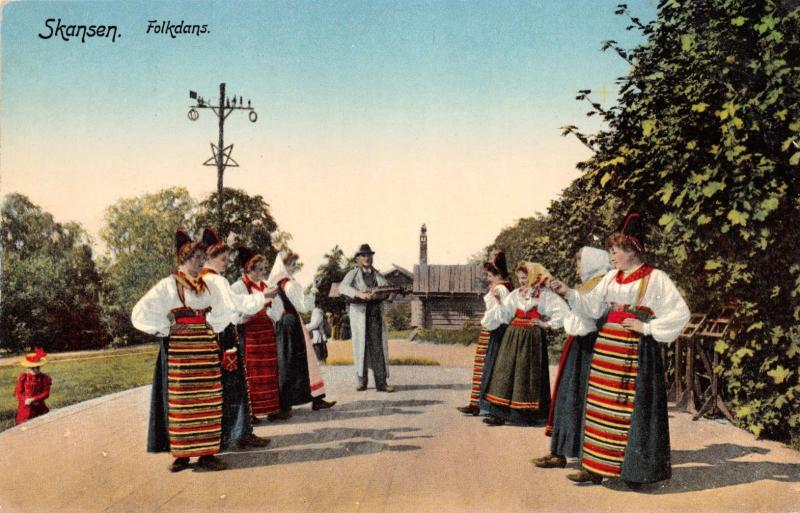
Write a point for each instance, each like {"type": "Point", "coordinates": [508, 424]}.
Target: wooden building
{"type": "Point", "coordinates": [446, 296]}
{"type": "Point", "coordinates": [403, 278]}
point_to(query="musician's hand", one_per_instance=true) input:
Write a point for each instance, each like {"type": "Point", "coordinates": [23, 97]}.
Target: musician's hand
{"type": "Point", "coordinates": [634, 325]}
{"type": "Point", "coordinates": [558, 287]}
{"type": "Point", "coordinates": [271, 293]}
{"type": "Point", "coordinates": [366, 296]}
{"type": "Point", "coordinates": [28, 401]}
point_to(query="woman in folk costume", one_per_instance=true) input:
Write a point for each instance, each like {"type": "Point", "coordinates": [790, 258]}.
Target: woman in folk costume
{"type": "Point", "coordinates": [236, 412]}
{"type": "Point", "coordinates": [33, 387]}
{"type": "Point", "coordinates": [186, 400]}
{"type": "Point", "coordinates": [519, 386]}
{"type": "Point", "coordinates": [257, 332]}
{"type": "Point", "coordinates": [299, 379]}
{"type": "Point", "coordinates": [565, 418]}
{"type": "Point", "coordinates": [491, 335]}
{"type": "Point", "coordinates": [626, 432]}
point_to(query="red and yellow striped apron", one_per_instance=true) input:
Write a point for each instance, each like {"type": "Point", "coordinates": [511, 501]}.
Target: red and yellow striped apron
{"type": "Point", "coordinates": [194, 393]}
{"type": "Point", "coordinates": [610, 395]}
{"type": "Point", "coordinates": [477, 367]}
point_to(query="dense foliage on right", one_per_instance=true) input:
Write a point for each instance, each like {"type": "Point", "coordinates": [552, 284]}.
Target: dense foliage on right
{"type": "Point", "coordinates": [704, 141]}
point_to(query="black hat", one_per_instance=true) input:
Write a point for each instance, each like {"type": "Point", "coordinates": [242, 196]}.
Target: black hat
{"type": "Point", "coordinates": [497, 265]}
{"type": "Point", "coordinates": [633, 228]}
{"type": "Point", "coordinates": [364, 250]}
{"type": "Point", "coordinates": [244, 256]}
{"type": "Point", "coordinates": [211, 240]}
{"type": "Point", "coordinates": [184, 246]}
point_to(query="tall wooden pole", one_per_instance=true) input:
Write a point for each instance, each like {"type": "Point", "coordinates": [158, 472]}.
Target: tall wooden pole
{"type": "Point", "coordinates": [220, 162]}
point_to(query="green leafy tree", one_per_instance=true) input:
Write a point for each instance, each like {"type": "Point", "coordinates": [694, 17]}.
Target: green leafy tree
{"type": "Point", "coordinates": [248, 218]}
{"type": "Point", "coordinates": [527, 239]}
{"type": "Point", "coordinates": [50, 283]}
{"type": "Point", "coordinates": [332, 270]}
{"type": "Point", "coordinates": [704, 141]}
{"type": "Point", "coordinates": [139, 235]}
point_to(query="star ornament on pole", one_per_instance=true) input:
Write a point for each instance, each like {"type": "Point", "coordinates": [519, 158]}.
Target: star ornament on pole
{"type": "Point", "coordinates": [225, 155]}
{"type": "Point", "coordinates": [220, 153]}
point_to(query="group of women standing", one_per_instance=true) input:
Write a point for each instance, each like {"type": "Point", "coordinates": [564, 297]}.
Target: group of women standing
{"type": "Point", "coordinates": [609, 404]}
{"type": "Point", "coordinates": [230, 355]}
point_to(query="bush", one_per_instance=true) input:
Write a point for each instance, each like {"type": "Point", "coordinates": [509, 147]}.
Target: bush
{"type": "Point", "coordinates": [466, 335]}
{"type": "Point", "coordinates": [398, 317]}
{"type": "Point", "coordinates": [555, 344]}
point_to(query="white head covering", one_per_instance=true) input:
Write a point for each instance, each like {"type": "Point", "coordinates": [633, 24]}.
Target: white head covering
{"type": "Point", "coordinates": [593, 262]}
{"type": "Point", "coordinates": [278, 272]}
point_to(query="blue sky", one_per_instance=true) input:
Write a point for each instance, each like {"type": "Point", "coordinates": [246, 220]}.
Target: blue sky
{"type": "Point", "coordinates": [358, 85]}
{"type": "Point", "coordinates": [437, 61]}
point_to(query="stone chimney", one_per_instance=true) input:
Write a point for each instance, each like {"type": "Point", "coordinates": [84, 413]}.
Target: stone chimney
{"type": "Point", "coordinates": [423, 246]}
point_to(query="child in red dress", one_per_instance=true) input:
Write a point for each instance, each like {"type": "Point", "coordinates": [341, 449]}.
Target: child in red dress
{"type": "Point", "coordinates": [33, 387]}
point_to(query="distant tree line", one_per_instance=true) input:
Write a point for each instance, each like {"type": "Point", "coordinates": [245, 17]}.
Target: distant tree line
{"type": "Point", "coordinates": [56, 294]}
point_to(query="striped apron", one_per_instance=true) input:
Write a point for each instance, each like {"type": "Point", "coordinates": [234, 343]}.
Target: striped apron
{"type": "Point", "coordinates": [194, 391]}
{"type": "Point", "coordinates": [611, 392]}
{"type": "Point", "coordinates": [261, 362]}
{"type": "Point", "coordinates": [477, 367]}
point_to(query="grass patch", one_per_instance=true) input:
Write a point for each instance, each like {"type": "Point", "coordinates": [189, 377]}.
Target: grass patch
{"type": "Point", "coordinates": [77, 379]}
{"type": "Point", "coordinates": [403, 360]}
{"type": "Point", "coordinates": [339, 361]}
{"type": "Point", "coordinates": [413, 360]}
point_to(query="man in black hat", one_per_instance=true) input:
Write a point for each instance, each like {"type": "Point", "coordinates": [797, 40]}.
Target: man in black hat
{"type": "Point", "coordinates": [367, 323]}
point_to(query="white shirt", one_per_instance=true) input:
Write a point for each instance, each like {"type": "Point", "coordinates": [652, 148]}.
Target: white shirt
{"type": "Point", "coordinates": [150, 314]}
{"type": "Point", "coordinates": [314, 325]}
{"type": "Point", "coordinates": [294, 292]}
{"type": "Point", "coordinates": [274, 307]}
{"type": "Point", "coordinates": [549, 305]}
{"type": "Point", "coordinates": [493, 317]}
{"type": "Point", "coordinates": [671, 312]}
{"type": "Point", "coordinates": [239, 303]}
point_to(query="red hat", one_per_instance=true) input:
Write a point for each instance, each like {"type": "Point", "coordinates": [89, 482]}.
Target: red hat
{"type": "Point", "coordinates": [633, 229]}
{"type": "Point", "coordinates": [35, 359]}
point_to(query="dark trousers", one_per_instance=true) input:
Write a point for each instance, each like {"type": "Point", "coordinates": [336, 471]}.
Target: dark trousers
{"type": "Point", "coordinates": [373, 347]}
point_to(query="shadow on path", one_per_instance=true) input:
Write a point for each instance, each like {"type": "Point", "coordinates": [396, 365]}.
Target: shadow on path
{"type": "Point", "coordinates": [324, 435]}
{"type": "Point", "coordinates": [360, 409]}
{"type": "Point", "coordinates": [714, 467]}
{"type": "Point", "coordinates": [271, 456]}
{"type": "Point", "coordinates": [435, 386]}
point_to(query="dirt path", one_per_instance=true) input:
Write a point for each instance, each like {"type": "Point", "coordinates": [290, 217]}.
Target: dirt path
{"type": "Point", "coordinates": [374, 452]}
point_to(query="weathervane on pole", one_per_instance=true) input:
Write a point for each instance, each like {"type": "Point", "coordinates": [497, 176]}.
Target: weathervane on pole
{"type": "Point", "coordinates": [220, 154]}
